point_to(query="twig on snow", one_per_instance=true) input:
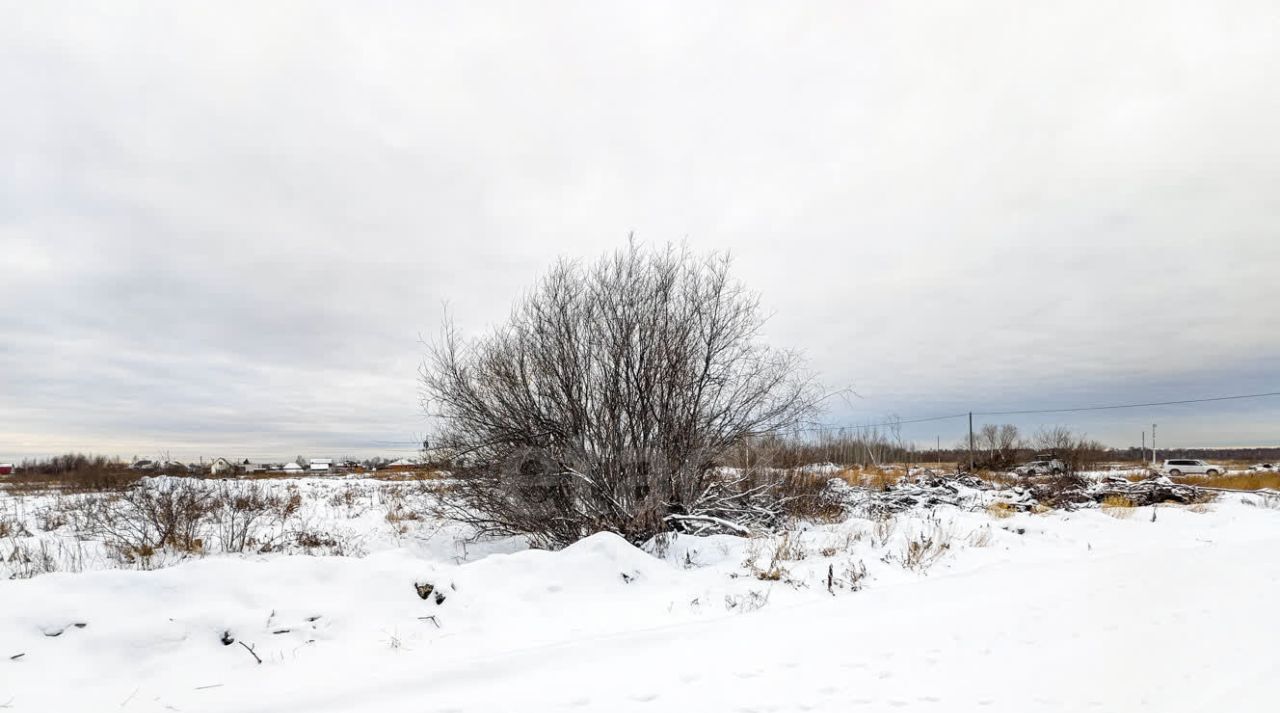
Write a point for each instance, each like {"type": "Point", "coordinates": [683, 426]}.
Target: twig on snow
{"type": "Point", "coordinates": [250, 650]}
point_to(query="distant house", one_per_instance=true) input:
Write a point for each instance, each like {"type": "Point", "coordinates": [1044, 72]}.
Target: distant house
{"type": "Point", "coordinates": [439, 457]}
{"type": "Point", "coordinates": [143, 465]}
{"type": "Point", "coordinates": [292, 468]}
{"type": "Point", "coordinates": [221, 467]}
{"type": "Point", "coordinates": [321, 463]}
{"type": "Point", "coordinates": [6, 469]}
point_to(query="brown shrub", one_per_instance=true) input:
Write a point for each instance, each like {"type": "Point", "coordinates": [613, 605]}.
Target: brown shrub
{"type": "Point", "coordinates": [807, 496]}
{"type": "Point", "coordinates": [73, 472]}
{"type": "Point", "coordinates": [141, 520]}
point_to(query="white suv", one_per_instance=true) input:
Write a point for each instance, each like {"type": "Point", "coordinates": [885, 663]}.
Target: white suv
{"type": "Point", "coordinates": [1186, 466]}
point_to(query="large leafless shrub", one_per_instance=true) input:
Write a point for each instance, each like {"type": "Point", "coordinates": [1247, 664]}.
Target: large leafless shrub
{"type": "Point", "coordinates": [607, 399]}
{"type": "Point", "coordinates": [151, 515]}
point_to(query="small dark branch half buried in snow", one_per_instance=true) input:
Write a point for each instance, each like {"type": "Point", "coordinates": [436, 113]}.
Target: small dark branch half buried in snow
{"type": "Point", "coordinates": [251, 651]}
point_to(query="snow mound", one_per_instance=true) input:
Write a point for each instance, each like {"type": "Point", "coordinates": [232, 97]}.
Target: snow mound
{"type": "Point", "coordinates": [607, 548]}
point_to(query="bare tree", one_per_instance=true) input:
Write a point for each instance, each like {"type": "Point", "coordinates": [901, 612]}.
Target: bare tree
{"type": "Point", "coordinates": [1076, 450]}
{"type": "Point", "coordinates": [607, 399]}
{"type": "Point", "coordinates": [998, 445]}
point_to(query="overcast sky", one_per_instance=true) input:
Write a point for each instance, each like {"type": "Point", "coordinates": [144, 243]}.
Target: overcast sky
{"type": "Point", "coordinates": [224, 226]}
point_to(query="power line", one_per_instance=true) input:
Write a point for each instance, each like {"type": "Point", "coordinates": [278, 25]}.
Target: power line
{"type": "Point", "coordinates": [886, 424]}
{"type": "Point", "coordinates": [1121, 406]}
{"type": "Point", "coordinates": [1110, 407]}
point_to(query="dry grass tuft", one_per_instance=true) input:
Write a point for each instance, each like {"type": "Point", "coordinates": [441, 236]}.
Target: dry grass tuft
{"type": "Point", "coordinates": [980, 537]}
{"type": "Point", "coordinates": [926, 547]}
{"type": "Point", "coordinates": [11, 527]}
{"type": "Point", "coordinates": [788, 549]}
{"type": "Point", "coordinates": [882, 529]}
{"type": "Point", "coordinates": [1001, 510]}
{"type": "Point", "coordinates": [784, 548]}
{"type": "Point", "coordinates": [1118, 506]}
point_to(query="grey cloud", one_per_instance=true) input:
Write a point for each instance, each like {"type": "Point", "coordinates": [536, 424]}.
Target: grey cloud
{"type": "Point", "coordinates": [225, 226]}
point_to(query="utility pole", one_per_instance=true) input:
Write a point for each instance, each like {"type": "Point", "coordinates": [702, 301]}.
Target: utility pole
{"type": "Point", "coordinates": [1142, 458]}
{"type": "Point", "coordinates": [971, 442]}
{"type": "Point", "coordinates": [1153, 445]}
{"type": "Point", "coordinates": [937, 452]}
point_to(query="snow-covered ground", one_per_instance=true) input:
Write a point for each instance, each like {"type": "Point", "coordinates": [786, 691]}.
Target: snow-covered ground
{"type": "Point", "coordinates": [953, 609]}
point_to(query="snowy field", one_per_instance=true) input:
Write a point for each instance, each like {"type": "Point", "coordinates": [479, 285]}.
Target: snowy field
{"type": "Point", "coordinates": [359, 604]}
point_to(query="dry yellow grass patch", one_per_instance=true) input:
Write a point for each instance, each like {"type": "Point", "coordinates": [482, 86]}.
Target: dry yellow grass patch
{"type": "Point", "coordinates": [873, 478]}
{"type": "Point", "coordinates": [1117, 506]}
{"type": "Point", "coordinates": [1001, 510]}
{"type": "Point", "coordinates": [851, 475]}
{"type": "Point", "coordinates": [1235, 481]}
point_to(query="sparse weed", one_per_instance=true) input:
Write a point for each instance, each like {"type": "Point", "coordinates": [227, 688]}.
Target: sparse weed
{"type": "Point", "coordinates": [980, 537]}
{"type": "Point", "coordinates": [749, 602]}
{"type": "Point", "coordinates": [23, 560]}
{"type": "Point", "coordinates": [853, 574]}
{"type": "Point", "coordinates": [160, 521]}
{"type": "Point", "coordinates": [788, 548]}
{"type": "Point", "coordinates": [12, 527]}
{"type": "Point", "coordinates": [784, 548]}
{"type": "Point", "coordinates": [882, 530]}
{"type": "Point", "coordinates": [924, 548]}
